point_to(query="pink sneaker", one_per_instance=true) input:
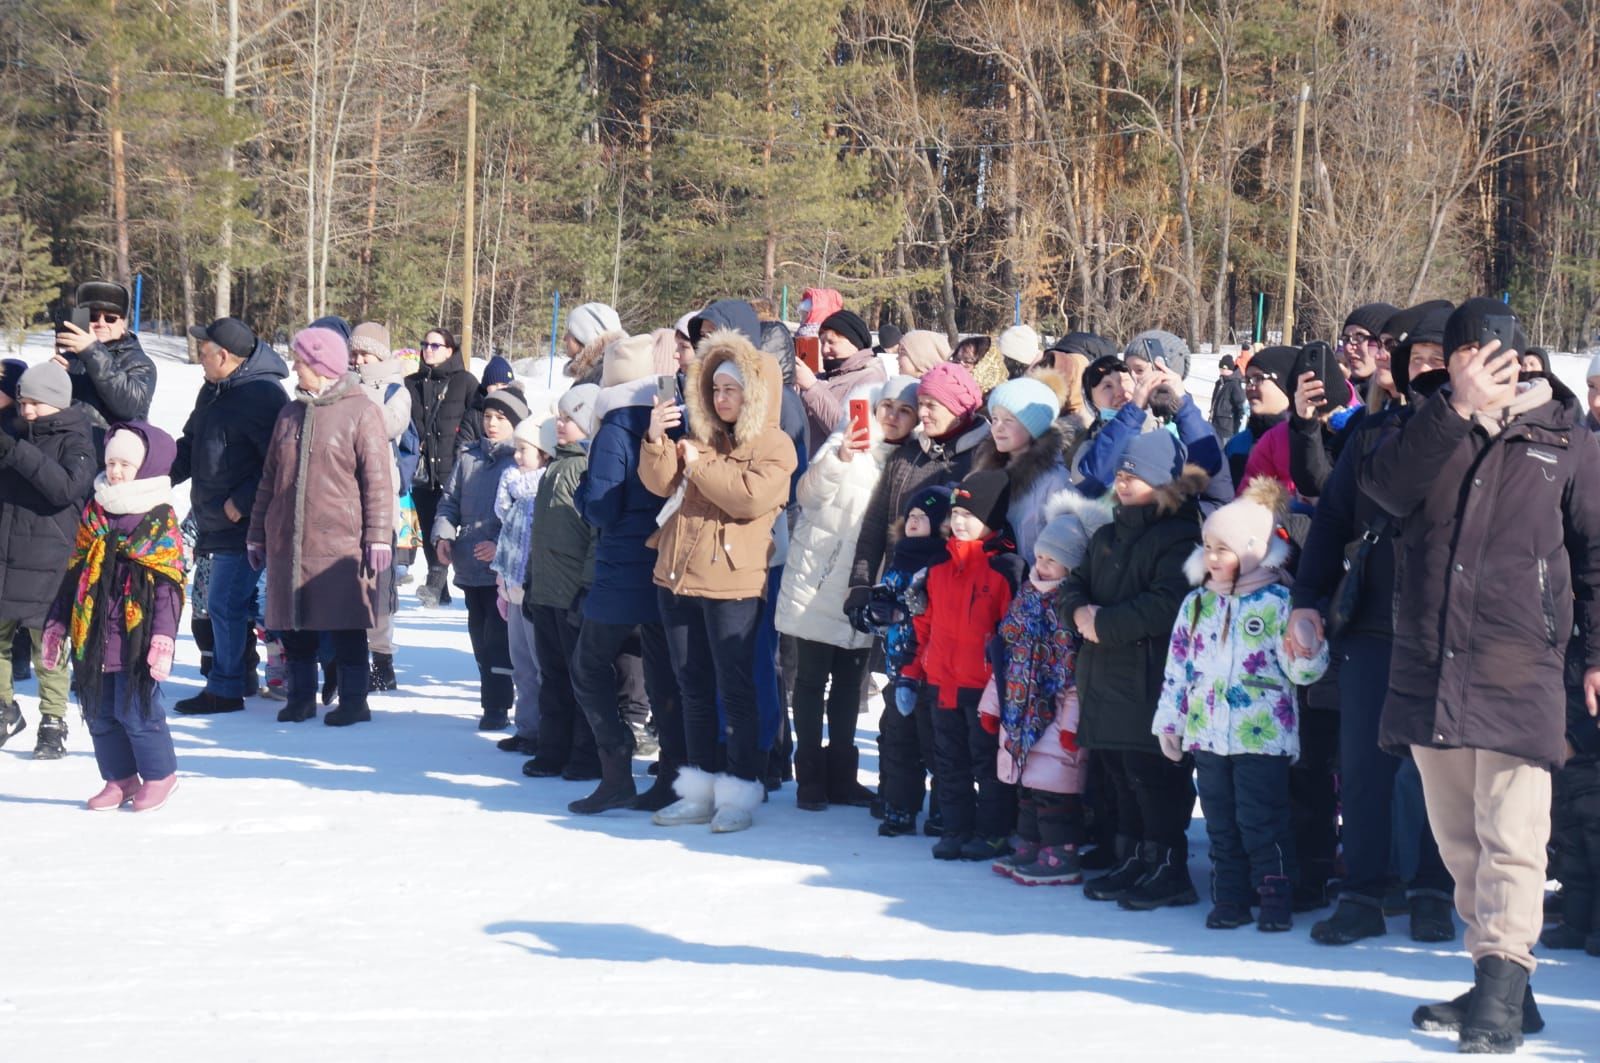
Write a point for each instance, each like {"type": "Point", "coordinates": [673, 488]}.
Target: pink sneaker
{"type": "Point", "coordinates": [117, 793]}
{"type": "Point", "coordinates": [154, 793]}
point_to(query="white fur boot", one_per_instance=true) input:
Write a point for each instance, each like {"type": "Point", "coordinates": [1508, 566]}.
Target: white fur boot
{"type": "Point", "coordinates": [694, 790]}
{"type": "Point", "coordinates": [736, 799]}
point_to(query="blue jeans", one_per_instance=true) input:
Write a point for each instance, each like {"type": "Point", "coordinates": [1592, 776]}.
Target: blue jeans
{"type": "Point", "coordinates": [125, 739]}
{"type": "Point", "coordinates": [230, 600]}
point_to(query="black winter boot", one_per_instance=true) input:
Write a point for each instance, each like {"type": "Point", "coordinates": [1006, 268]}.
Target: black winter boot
{"type": "Point", "coordinates": [51, 740]}
{"type": "Point", "coordinates": [1122, 878]}
{"type": "Point", "coordinates": [1493, 1024]}
{"type": "Point", "coordinates": [1357, 917]}
{"type": "Point", "coordinates": [381, 677]}
{"type": "Point", "coordinates": [810, 779]}
{"type": "Point", "coordinates": [897, 822]}
{"type": "Point", "coordinates": [1431, 917]}
{"type": "Point", "coordinates": [616, 789]}
{"type": "Point", "coordinates": [300, 691]}
{"type": "Point", "coordinates": [661, 793]}
{"type": "Point", "coordinates": [206, 703]}
{"type": "Point", "coordinates": [950, 845]}
{"type": "Point", "coordinates": [1277, 905]}
{"type": "Point", "coordinates": [843, 786]}
{"type": "Point", "coordinates": [352, 698]}
{"type": "Point", "coordinates": [11, 721]}
{"type": "Point", "coordinates": [1168, 884]}
{"type": "Point", "coordinates": [494, 720]}
{"type": "Point", "coordinates": [1450, 1014]}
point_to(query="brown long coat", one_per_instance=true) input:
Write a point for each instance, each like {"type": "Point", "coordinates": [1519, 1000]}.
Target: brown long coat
{"type": "Point", "coordinates": [325, 494]}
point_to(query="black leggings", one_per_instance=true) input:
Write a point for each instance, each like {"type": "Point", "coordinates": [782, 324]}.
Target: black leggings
{"type": "Point", "coordinates": [815, 664]}
{"type": "Point", "coordinates": [1155, 797]}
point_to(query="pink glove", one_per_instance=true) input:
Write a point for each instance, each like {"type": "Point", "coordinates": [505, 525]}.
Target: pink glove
{"type": "Point", "coordinates": [500, 605]}
{"type": "Point", "coordinates": [160, 657]}
{"type": "Point", "coordinates": [379, 557]}
{"type": "Point", "coordinates": [257, 556]}
{"type": "Point", "coordinates": [53, 653]}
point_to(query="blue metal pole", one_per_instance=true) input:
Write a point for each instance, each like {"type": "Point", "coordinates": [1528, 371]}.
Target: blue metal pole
{"type": "Point", "coordinates": [138, 297]}
{"type": "Point", "coordinates": [783, 315]}
{"type": "Point", "coordinates": [555, 319]}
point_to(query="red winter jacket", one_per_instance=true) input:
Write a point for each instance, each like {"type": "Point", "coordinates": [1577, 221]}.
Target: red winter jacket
{"type": "Point", "coordinates": [968, 596]}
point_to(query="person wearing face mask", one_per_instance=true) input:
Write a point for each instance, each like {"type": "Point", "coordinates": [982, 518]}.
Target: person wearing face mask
{"type": "Point", "coordinates": [441, 391]}
{"type": "Point", "coordinates": [323, 525]}
{"type": "Point", "coordinates": [111, 374]}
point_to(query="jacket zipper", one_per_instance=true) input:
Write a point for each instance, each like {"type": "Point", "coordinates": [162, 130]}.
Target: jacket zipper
{"type": "Point", "coordinates": [1545, 602]}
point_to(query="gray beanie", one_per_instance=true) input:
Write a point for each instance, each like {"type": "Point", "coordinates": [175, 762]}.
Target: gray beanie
{"type": "Point", "coordinates": [577, 403]}
{"type": "Point", "coordinates": [48, 383]}
{"type": "Point", "coordinates": [900, 389]}
{"type": "Point", "coordinates": [1173, 349]}
{"type": "Point", "coordinates": [590, 321]}
{"type": "Point", "coordinates": [1154, 457]}
{"type": "Point", "coordinates": [1071, 519]}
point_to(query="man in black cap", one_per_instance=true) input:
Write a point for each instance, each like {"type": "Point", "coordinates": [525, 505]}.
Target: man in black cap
{"type": "Point", "coordinates": [1229, 407]}
{"type": "Point", "coordinates": [222, 451]}
{"type": "Point", "coordinates": [111, 374]}
{"type": "Point", "coordinates": [847, 363]}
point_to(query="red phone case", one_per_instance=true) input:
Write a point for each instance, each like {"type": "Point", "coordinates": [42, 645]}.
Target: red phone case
{"type": "Point", "coordinates": [858, 415]}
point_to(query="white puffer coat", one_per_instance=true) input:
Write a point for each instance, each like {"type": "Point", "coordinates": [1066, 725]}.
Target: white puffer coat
{"type": "Point", "coordinates": [833, 496]}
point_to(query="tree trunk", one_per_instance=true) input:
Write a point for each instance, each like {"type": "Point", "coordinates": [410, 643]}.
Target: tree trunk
{"type": "Point", "coordinates": [222, 278]}
{"type": "Point", "coordinates": [187, 277]}
{"type": "Point", "coordinates": [119, 179]}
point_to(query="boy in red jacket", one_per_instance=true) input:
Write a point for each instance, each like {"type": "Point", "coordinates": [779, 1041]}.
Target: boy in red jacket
{"type": "Point", "coordinates": [967, 597]}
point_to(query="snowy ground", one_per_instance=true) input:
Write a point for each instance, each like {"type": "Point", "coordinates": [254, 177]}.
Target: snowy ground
{"type": "Point", "coordinates": [398, 891]}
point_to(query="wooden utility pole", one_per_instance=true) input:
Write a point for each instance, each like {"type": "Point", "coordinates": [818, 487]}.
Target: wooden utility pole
{"type": "Point", "coordinates": [1294, 213]}
{"type": "Point", "coordinates": [468, 259]}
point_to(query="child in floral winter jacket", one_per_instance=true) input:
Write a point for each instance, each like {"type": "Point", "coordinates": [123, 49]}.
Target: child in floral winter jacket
{"type": "Point", "coordinates": [1228, 696]}
{"type": "Point", "coordinates": [968, 594]}
{"type": "Point", "coordinates": [116, 617]}
{"type": "Point", "coordinates": [905, 730]}
{"type": "Point", "coordinates": [1031, 703]}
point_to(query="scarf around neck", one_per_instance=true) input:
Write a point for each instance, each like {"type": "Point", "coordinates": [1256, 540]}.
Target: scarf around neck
{"type": "Point", "coordinates": [1041, 656]}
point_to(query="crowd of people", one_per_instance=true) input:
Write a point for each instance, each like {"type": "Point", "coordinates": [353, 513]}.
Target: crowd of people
{"type": "Point", "coordinates": [1355, 613]}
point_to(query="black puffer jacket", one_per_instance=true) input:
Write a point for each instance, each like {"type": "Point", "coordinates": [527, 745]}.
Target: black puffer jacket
{"type": "Point", "coordinates": [1499, 537]}
{"type": "Point", "coordinates": [439, 399]}
{"type": "Point", "coordinates": [115, 380]}
{"type": "Point", "coordinates": [46, 475]}
{"type": "Point", "coordinates": [1133, 571]}
{"type": "Point", "coordinates": [224, 447]}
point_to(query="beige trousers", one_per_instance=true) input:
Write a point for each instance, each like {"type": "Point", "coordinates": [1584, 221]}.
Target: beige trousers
{"type": "Point", "coordinates": [1491, 816]}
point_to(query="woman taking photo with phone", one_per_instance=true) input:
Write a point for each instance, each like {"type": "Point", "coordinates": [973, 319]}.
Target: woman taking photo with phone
{"type": "Point", "coordinates": [725, 484]}
{"type": "Point", "coordinates": [831, 655]}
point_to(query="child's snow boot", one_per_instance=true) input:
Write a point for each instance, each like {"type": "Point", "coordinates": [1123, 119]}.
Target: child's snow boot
{"type": "Point", "coordinates": [1277, 904]}
{"type": "Point", "coordinates": [1168, 884]}
{"type": "Point", "coordinates": [1122, 878]}
{"type": "Point", "coordinates": [154, 793]}
{"type": "Point", "coordinates": [1228, 915]}
{"type": "Point", "coordinates": [1054, 865]}
{"type": "Point", "coordinates": [950, 845]}
{"type": "Point", "coordinates": [50, 742]}
{"type": "Point", "coordinates": [1023, 852]}
{"type": "Point", "coordinates": [115, 794]}
{"type": "Point", "coordinates": [897, 821]}
{"type": "Point", "coordinates": [1357, 917]}
{"type": "Point", "coordinates": [977, 848]}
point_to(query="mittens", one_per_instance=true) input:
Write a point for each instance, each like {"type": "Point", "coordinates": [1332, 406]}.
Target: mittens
{"type": "Point", "coordinates": [905, 697]}
{"type": "Point", "coordinates": [160, 657]}
{"type": "Point", "coordinates": [855, 608]}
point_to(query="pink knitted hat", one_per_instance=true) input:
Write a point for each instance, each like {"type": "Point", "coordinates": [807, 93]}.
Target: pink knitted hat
{"type": "Point", "coordinates": [951, 386]}
{"type": "Point", "coordinates": [324, 350]}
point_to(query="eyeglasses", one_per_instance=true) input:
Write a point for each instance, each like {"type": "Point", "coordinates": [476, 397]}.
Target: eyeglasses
{"type": "Point", "coordinates": [104, 315]}
{"type": "Point", "coordinates": [435, 346]}
{"type": "Point", "coordinates": [1359, 339]}
{"type": "Point", "coordinates": [1255, 380]}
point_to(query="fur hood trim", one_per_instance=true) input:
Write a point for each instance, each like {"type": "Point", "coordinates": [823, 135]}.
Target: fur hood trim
{"type": "Point", "coordinates": [1092, 513]}
{"type": "Point", "coordinates": [763, 399]}
{"type": "Point", "coordinates": [1055, 382]}
{"type": "Point", "coordinates": [1190, 485]}
{"type": "Point", "coordinates": [1042, 455]}
{"type": "Point", "coordinates": [593, 355]}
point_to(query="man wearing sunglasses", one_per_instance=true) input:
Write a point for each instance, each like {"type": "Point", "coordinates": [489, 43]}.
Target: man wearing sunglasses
{"type": "Point", "coordinates": [111, 374]}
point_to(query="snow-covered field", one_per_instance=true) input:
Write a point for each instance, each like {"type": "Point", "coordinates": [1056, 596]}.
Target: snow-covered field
{"type": "Point", "coordinates": [399, 891]}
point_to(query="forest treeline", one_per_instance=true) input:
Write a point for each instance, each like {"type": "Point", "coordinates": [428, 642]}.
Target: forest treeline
{"type": "Point", "coordinates": [944, 163]}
